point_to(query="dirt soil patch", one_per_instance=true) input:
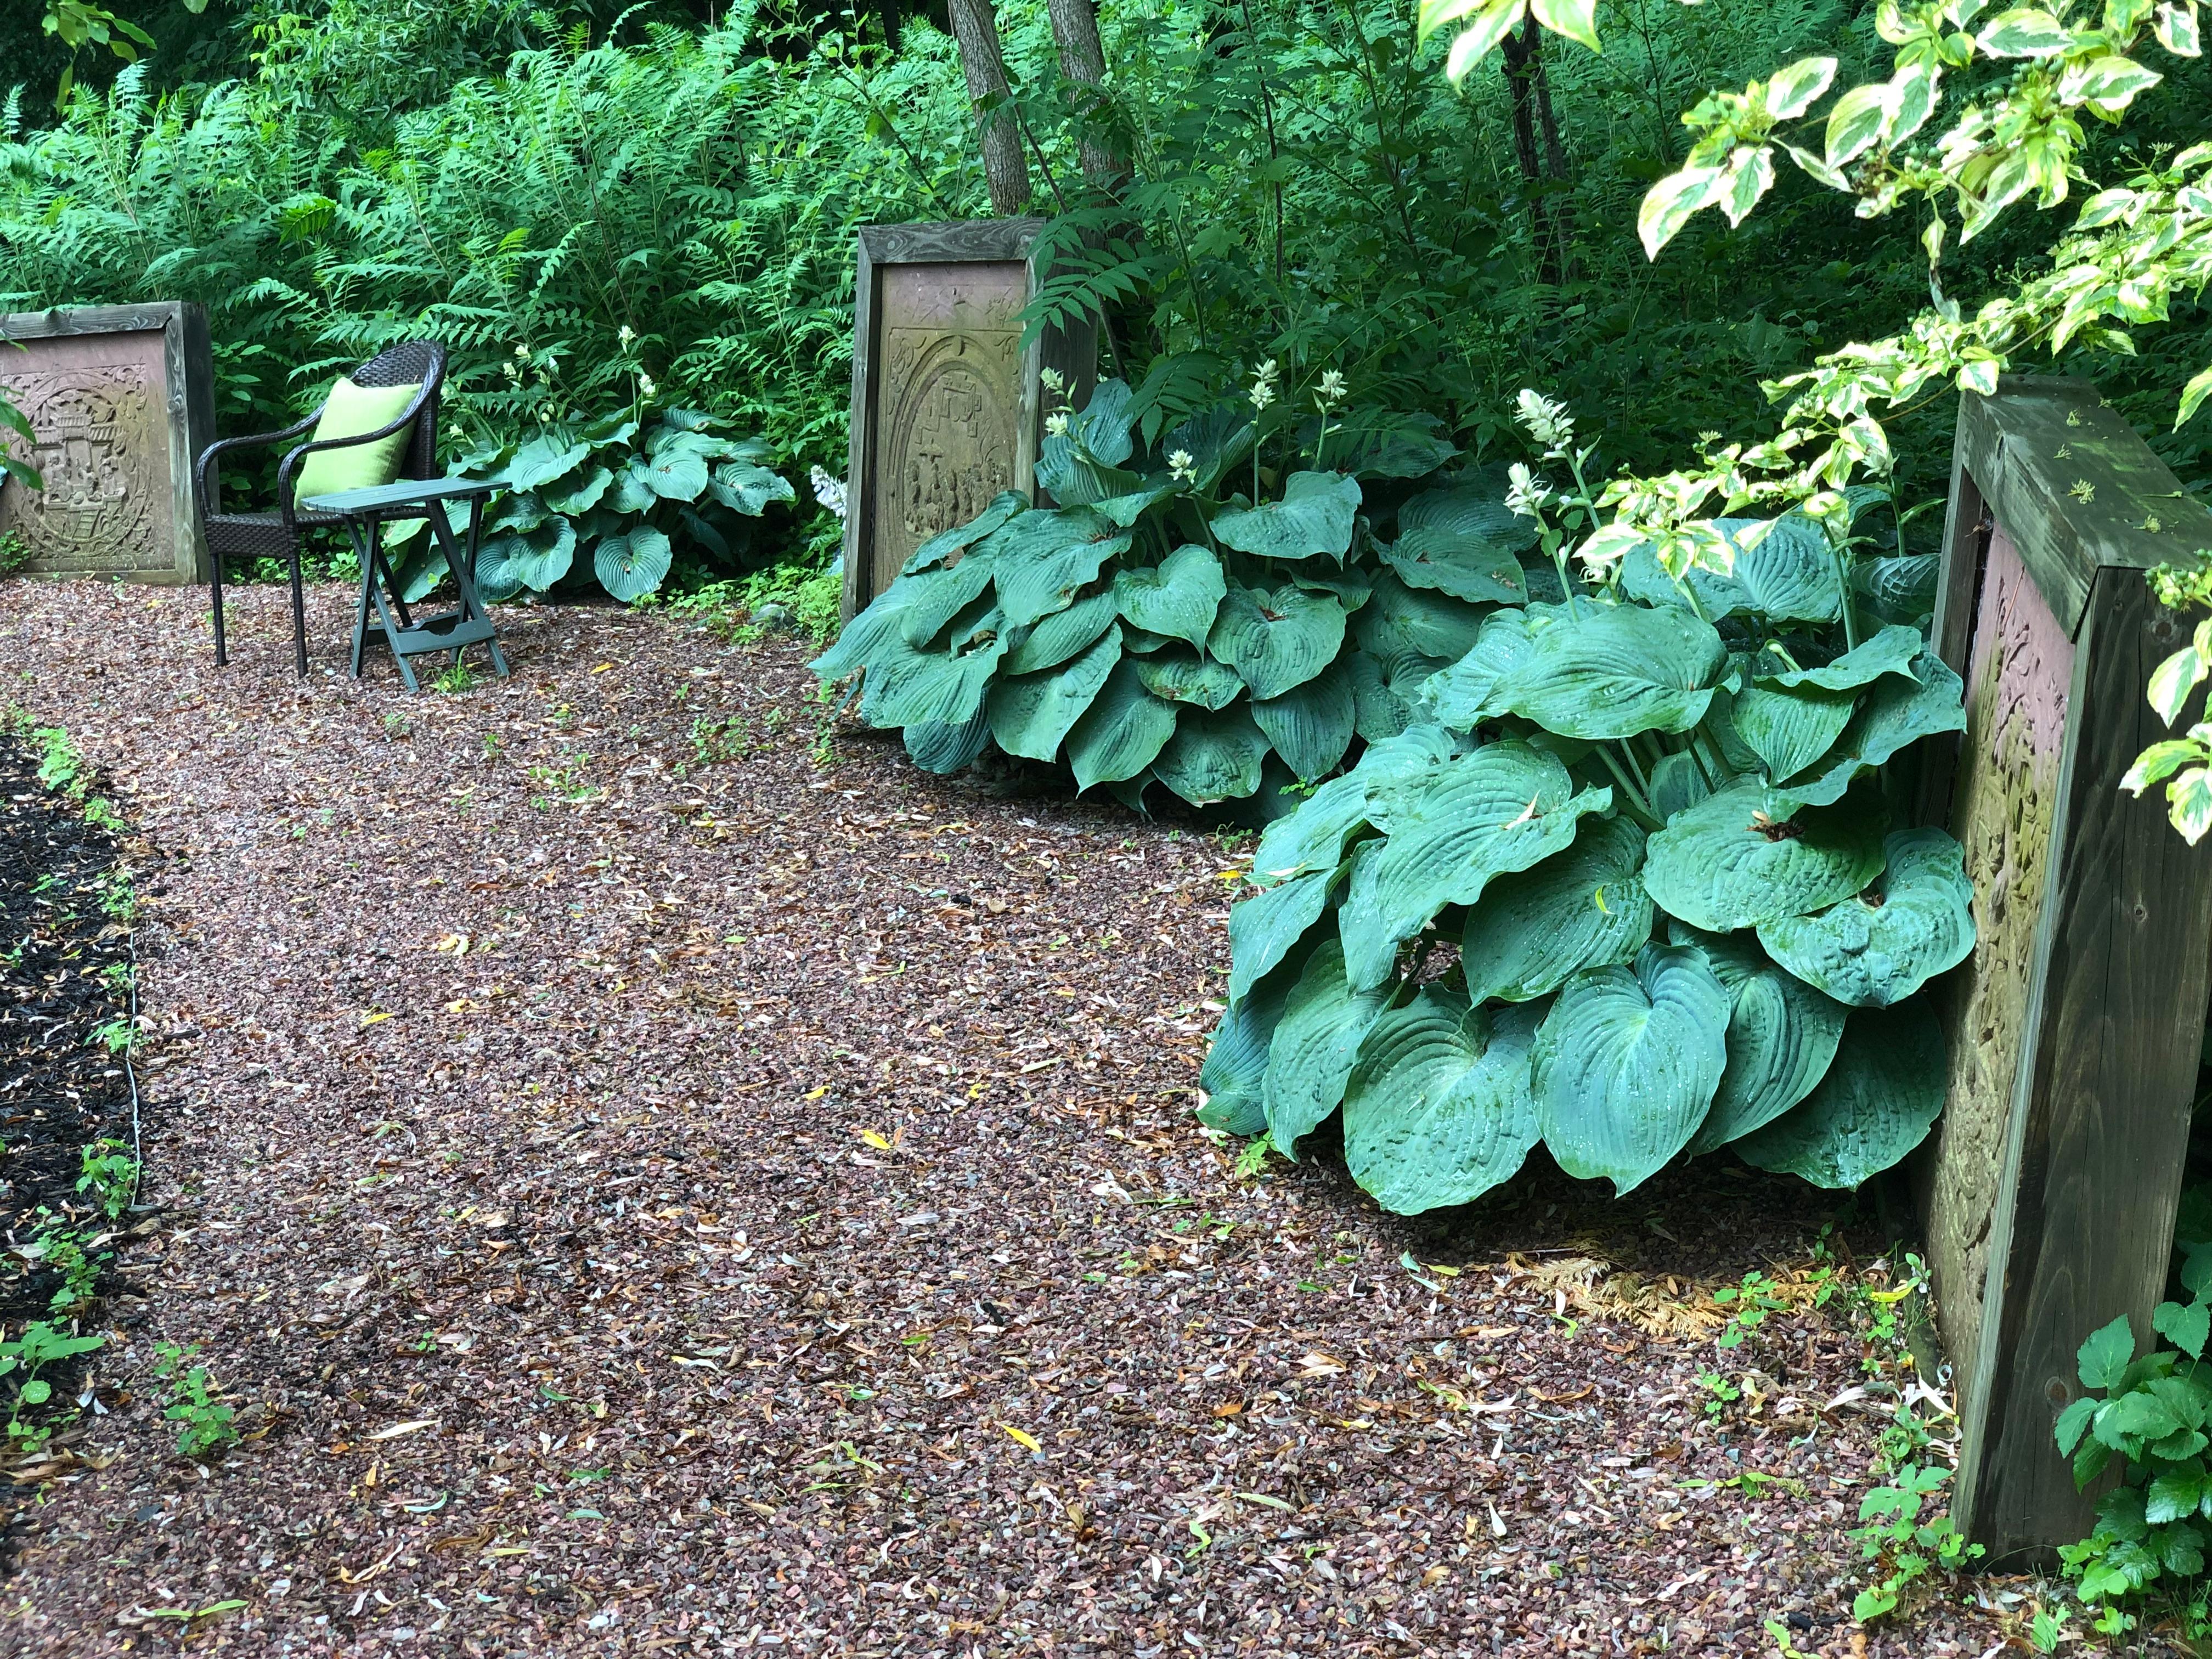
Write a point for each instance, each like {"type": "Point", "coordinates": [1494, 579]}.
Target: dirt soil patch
{"type": "Point", "coordinates": [656, 1176]}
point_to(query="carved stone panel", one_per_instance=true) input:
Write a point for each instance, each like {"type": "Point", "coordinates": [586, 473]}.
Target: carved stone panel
{"type": "Point", "coordinates": [108, 395]}
{"type": "Point", "coordinates": [947, 384]}
{"type": "Point", "coordinates": [2005, 797]}
{"type": "Point", "coordinates": [950, 401]}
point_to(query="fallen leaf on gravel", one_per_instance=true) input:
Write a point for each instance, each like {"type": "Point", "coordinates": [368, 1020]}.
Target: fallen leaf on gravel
{"type": "Point", "coordinates": [1320, 1364]}
{"type": "Point", "coordinates": [1229, 1409]}
{"type": "Point", "coordinates": [371, 1019]}
{"type": "Point", "coordinates": [413, 1427]}
{"type": "Point", "coordinates": [875, 1140]}
{"type": "Point", "coordinates": [464, 1540]}
{"type": "Point", "coordinates": [1028, 1440]}
{"type": "Point", "coordinates": [1271, 1503]}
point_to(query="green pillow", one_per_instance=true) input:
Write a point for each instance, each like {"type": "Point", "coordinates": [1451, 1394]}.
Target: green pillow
{"type": "Point", "coordinates": [353, 410]}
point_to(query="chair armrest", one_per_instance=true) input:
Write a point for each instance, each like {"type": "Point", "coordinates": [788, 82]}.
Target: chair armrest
{"type": "Point", "coordinates": [291, 464]}
{"type": "Point", "coordinates": [206, 480]}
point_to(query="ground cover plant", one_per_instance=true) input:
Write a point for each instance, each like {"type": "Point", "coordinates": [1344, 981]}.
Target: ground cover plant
{"type": "Point", "coordinates": [1632, 886]}
{"type": "Point", "coordinates": [1225, 610]}
{"type": "Point", "coordinates": [620, 493]}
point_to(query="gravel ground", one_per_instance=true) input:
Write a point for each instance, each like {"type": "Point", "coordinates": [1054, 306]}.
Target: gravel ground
{"type": "Point", "coordinates": [647, 1188]}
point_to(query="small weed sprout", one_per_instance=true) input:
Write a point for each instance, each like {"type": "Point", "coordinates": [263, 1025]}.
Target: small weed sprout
{"type": "Point", "coordinates": [1720, 1395]}
{"type": "Point", "coordinates": [205, 1425]}
{"type": "Point", "coordinates": [110, 1175]}
{"type": "Point", "coordinates": [39, 1346]}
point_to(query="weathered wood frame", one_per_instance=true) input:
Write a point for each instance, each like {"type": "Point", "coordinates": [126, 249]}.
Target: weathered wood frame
{"type": "Point", "coordinates": [1072, 352]}
{"type": "Point", "coordinates": [188, 373]}
{"type": "Point", "coordinates": [2097, 1123]}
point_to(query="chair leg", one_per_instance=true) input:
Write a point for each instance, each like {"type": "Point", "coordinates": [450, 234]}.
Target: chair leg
{"type": "Point", "coordinates": [299, 616]}
{"type": "Point", "coordinates": [214, 595]}
{"type": "Point", "coordinates": [368, 555]}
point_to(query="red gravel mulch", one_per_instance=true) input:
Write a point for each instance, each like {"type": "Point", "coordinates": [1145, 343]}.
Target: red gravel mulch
{"type": "Point", "coordinates": [655, 1172]}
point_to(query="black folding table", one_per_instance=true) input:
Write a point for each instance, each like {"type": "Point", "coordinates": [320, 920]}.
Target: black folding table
{"type": "Point", "coordinates": [366, 512]}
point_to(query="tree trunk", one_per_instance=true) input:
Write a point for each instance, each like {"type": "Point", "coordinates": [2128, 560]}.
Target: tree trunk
{"type": "Point", "coordinates": [1006, 169]}
{"type": "Point", "coordinates": [1083, 61]}
{"type": "Point", "coordinates": [1549, 216]}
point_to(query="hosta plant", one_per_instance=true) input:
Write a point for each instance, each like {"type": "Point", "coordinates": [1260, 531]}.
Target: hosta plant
{"type": "Point", "coordinates": [1631, 884]}
{"type": "Point", "coordinates": [619, 496]}
{"type": "Point", "coordinates": [1232, 609]}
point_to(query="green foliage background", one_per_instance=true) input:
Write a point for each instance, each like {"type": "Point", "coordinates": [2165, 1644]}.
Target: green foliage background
{"type": "Point", "coordinates": [329, 174]}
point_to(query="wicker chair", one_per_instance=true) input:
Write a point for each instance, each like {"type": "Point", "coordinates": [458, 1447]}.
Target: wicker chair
{"type": "Point", "coordinates": [276, 535]}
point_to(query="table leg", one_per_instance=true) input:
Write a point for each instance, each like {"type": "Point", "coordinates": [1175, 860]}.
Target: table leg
{"type": "Point", "coordinates": [462, 563]}
{"type": "Point", "coordinates": [367, 554]}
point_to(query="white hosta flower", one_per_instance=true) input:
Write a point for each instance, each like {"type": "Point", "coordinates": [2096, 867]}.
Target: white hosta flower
{"type": "Point", "coordinates": [1525, 493]}
{"type": "Point", "coordinates": [1263, 384]}
{"type": "Point", "coordinates": [646, 387]}
{"type": "Point", "coordinates": [830, 491]}
{"type": "Point", "coordinates": [626, 334]}
{"type": "Point", "coordinates": [1332, 389]}
{"type": "Point", "coordinates": [523, 352]}
{"type": "Point", "coordinates": [1545, 419]}
{"type": "Point", "coordinates": [1052, 380]}
{"type": "Point", "coordinates": [1181, 468]}
{"type": "Point", "coordinates": [1055, 425]}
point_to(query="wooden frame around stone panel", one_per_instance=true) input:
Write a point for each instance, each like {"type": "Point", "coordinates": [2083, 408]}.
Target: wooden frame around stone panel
{"type": "Point", "coordinates": [188, 400]}
{"type": "Point", "coordinates": [882, 248]}
{"type": "Point", "coordinates": [2049, 1192]}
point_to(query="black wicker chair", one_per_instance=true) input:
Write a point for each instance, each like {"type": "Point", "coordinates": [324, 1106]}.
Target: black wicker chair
{"type": "Point", "coordinates": [276, 535]}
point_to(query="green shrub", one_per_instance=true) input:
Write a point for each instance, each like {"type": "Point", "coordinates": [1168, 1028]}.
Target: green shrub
{"type": "Point", "coordinates": [1176, 621]}
{"type": "Point", "coordinates": [615, 492]}
{"type": "Point", "coordinates": [1627, 885]}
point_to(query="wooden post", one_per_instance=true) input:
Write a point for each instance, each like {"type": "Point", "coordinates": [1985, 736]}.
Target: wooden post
{"type": "Point", "coordinates": [947, 405]}
{"type": "Point", "coordinates": [2049, 1190]}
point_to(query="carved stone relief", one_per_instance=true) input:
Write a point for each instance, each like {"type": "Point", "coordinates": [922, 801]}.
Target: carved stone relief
{"type": "Point", "coordinates": [2021, 666]}
{"type": "Point", "coordinates": [949, 399]}
{"type": "Point", "coordinates": [98, 406]}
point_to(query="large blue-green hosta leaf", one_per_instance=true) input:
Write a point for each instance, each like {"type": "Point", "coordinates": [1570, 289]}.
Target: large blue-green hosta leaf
{"type": "Point", "coordinates": [542, 460]}
{"type": "Point", "coordinates": [1465, 694]}
{"type": "Point", "coordinates": [1604, 670]}
{"type": "Point", "coordinates": [1790, 727]}
{"type": "Point", "coordinates": [934, 597]}
{"type": "Point", "coordinates": [1750, 855]}
{"type": "Point", "coordinates": [745, 488]}
{"type": "Point", "coordinates": [1893, 713]}
{"type": "Point", "coordinates": [1398, 621]}
{"type": "Point", "coordinates": [1310, 1058]}
{"type": "Point", "coordinates": [631, 565]}
{"type": "Point", "coordinates": [1122, 732]}
{"type": "Point", "coordinates": [1030, 713]}
{"type": "Point", "coordinates": [1916, 922]}
{"type": "Point", "coordinates": [945, 749]}
{"type": "Point", "coordinates": [958, 539]}
{"type": "Point", "coordinates": [1584, 908]}
{"type": "Point", "coordinates": [1891, 651]}
{"type": "Point", "coordinates": [1440, 1108]}
{"type": "Point", "coordinates": [1464, 542]}
{"type": "Point", "coordinates": [1789, 574]}
{"type": "Point", "coordinates": [1177, 597]}
{"type": "Point", "coordinates": [1386, 692]}
{"type": "Point", "coordinates": [1313, 520]}
{"type": "Point", "coordinates": [1060, 635]}
{"type": "Point", "coordinates": [1310, 724]}
{"type": "Point", "coordinates": [907, 687]}
{"type": "Point", "coordinates": [1782, 1035]}
{"type": "Point", "coordinates": [1453, 828]}
{"type": "Point", "coordinates": [1042, 560]}
{"type": "Point", "coordinates": [1183, 676]}
{"type": "Point", "coordinates": [1215, 754]}
{"type": "Point", "coordinates": [1235, 1074]}
{"type": "Point", "coordinates": [1265, 926]}
{"type": "Point", "coordinates": [1627, 1064]}
{"type": "Point", "coordinates": [1875, 1104]}
{"type": "Point", "coordinates": [1279, 640]}
{"type": "Point", "coordinates": [1313, 836]}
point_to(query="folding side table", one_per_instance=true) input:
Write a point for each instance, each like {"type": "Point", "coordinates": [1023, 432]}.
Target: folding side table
{"type": "Point", "coordinates": [366, 512]}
